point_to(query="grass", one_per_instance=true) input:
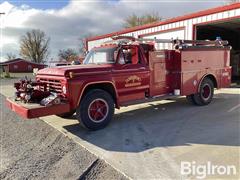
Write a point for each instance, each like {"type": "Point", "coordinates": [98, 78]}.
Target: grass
{"type": "Point", "coordinates": [16, 75]}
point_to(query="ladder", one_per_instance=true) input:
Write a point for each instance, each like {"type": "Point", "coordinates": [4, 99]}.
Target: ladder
{"type": "Point", "coordinates": [175, 42]}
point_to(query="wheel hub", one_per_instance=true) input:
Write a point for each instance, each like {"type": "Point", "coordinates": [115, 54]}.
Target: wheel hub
{"type": "Point", "coordinates": [98, 110]}
{"type": "Point", "coordinates": [206, 91]}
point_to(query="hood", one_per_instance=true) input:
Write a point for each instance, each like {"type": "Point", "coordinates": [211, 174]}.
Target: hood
{"type": "Point", "coordinates": [76, 69]}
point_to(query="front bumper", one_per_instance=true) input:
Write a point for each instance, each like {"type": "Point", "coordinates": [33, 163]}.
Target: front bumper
{"type": "Point", "coordinates": [34, 110]}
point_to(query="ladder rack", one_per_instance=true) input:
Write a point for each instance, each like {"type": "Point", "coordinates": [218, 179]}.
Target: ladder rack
{"type": "Point", "coordinates": [177, 43]}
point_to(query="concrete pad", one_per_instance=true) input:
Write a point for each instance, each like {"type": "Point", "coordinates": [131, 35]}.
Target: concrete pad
{"type": "Point", "coordinates": [31, 149]}
{"type": "Point", "coordinates": [149, 141]}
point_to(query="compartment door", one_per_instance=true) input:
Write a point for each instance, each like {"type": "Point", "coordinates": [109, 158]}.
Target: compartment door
{"type": "Point", "coordinates": [158, 80]}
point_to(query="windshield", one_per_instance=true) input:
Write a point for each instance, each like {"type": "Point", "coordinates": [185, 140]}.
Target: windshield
{"type": "Point", "coordinates": [101, 56]}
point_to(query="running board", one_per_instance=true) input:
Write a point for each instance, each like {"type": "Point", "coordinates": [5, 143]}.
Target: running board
{"type": "Point", "coordinates": [151, 99]}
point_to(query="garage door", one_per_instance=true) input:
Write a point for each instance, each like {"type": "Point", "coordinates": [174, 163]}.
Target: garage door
{"type": "Point", "coordinates": [227, 30]}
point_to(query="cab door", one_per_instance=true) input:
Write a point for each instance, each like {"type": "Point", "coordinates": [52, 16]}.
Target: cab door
{"type": "Point", "coordinates": [131, 75]}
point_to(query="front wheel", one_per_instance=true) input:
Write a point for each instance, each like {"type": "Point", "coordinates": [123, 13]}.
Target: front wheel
{"type": "Point", "coordinates": [205, 94]}
{"type": "Point", "coordinates": [190, 99]}
{"type": "Point", "coordinates": [96, 109]}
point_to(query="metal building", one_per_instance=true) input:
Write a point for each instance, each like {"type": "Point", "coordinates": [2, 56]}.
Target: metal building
{"type": "Point", "coordinates": [209, 24]}
{"type": "Point", "coordinates": [20, 65]}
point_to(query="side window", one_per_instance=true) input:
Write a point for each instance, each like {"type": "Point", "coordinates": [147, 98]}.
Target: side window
{"type": "Point", "coordinates": [121, 58]}
{"type": "Point", "coordinates": [134, 54]}
{"type": "Point", "coordinates": [140, 57]}
{"type": "Point", "coordinates": [129, 56]}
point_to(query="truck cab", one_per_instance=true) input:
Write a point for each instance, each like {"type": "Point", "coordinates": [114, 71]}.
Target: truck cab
{"type": "Point", "coordinates": [122, 72]}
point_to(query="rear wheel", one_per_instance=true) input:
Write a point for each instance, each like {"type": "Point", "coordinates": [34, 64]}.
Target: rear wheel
{"type": "Point", "coordinates": [96, 109]}
{"type": "Point", "coordinates": [205, 94]}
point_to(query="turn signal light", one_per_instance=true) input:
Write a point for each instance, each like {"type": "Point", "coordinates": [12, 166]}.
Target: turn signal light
{"type": "Point", "coordinates": [64, 89]}
{"type": "Point", "coordinates": [71, 74]}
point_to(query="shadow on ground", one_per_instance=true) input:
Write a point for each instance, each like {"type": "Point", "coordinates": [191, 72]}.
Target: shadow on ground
{"type": "Point", "coordinates": [176, 123]}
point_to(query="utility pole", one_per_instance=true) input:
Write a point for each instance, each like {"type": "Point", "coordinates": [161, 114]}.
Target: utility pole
{"type": "Point", "coordinates": [1, 39]}
{"type": "Point", "coordinates": [1, 107]}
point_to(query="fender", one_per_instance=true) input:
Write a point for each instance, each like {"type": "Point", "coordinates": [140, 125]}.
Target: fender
{"type": "Point", "coordinates": [99, 82]}
{"type": "Point", "coordinates": [199, 84]}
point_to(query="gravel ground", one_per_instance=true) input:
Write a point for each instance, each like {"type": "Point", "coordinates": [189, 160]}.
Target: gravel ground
{"type": "Point", "coordinates": [31, 149]}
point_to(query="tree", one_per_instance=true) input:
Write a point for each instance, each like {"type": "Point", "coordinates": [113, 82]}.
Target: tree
{"type": "Point", "coordinates": [68, 54]}
{"type": "Point", "coordinates": [34, 45]}
{"type": "Point", "coordinates": [134, 20]}
{"type": "Point", "coordinates": [83, 45]}
{"type": "Point", "coordinates": [10, 56]}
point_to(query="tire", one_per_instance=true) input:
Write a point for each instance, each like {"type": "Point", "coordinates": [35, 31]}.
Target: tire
{"type": "Point", "coordinates": [96, 109]}
{"type": "Point", "coordinates": [190, 99]}
{"type": "Point", "coordinates": [205, 94]}
{"type": "Point", "coordinates": [67, 115]}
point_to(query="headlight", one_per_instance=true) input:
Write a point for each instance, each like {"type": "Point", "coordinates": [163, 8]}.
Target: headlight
{"type": "Point", "coordinates": [64, 89]}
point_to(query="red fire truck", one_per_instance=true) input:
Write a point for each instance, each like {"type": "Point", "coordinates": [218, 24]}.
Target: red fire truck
{"type": "Point", "coordinates": [122, 72]}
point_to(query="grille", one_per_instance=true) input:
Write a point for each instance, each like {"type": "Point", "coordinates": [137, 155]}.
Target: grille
{"type": "Point", "coordinates": [52, 85]}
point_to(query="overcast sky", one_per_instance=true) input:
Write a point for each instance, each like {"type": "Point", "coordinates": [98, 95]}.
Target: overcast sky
{"type": "Point", "coordinates": [66, 21]}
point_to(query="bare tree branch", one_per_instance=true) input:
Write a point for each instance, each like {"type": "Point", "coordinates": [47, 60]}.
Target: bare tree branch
{"type": "Point", "coordinates": [11, 56]}
{"type": "Point", "coordinates": [68, 54]}
{"type": "Point", "coordinates": [35, 46]}
{"type": "Point", "coordinates": [83, 45]}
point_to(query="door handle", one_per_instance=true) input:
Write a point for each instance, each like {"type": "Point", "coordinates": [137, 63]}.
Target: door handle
{"type": "Point", "coordinates": [142, 68]}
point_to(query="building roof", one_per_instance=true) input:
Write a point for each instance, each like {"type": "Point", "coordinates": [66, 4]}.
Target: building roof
{"type": "Point", "coordinates": [17, 60]}
{"type": "Point", "coordinates": [172, 20]}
